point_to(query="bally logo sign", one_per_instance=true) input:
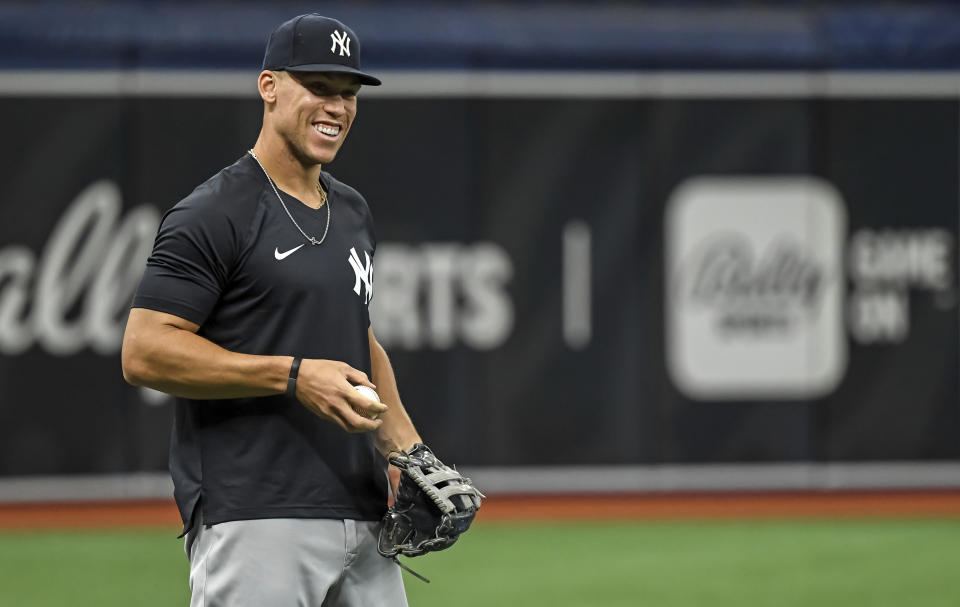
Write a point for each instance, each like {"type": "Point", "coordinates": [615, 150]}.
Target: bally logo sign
{"type": "Point", "coordinates": [77, 292]}
{"type": "Point", "coordinates": [754, 288]}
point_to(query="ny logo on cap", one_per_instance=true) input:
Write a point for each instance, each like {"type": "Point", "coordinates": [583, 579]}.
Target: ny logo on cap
{"type": "Point", "coordinates": [342, 40]}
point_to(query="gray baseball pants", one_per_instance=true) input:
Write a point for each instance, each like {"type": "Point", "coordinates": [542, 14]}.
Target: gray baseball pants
{"type": "Point", "coordinates": [291, 562]}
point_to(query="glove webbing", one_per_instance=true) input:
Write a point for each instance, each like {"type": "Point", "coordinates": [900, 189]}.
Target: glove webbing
{"type": "Point", "coordinates": [462, 487]}
{"type": "Point", "coordinates": [441, 496]}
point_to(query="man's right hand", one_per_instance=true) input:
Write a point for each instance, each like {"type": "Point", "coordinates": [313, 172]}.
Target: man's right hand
{"type": "Point", "coordinates": [325, 387]}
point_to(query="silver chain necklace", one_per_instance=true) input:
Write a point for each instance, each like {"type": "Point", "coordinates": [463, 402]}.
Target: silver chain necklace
{"type": "Point", "coordinates": [309, 238]}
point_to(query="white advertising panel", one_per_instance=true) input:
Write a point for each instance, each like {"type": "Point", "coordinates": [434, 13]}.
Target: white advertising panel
{"type": "Point", "coordinates": [754, 293]}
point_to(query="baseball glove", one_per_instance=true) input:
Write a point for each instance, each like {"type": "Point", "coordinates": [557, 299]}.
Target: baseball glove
{"type": "Point", "coordinates": [433, 506]}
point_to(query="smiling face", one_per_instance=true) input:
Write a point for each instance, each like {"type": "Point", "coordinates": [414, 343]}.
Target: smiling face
{"type": "Point", "coordinates": [311, 112]}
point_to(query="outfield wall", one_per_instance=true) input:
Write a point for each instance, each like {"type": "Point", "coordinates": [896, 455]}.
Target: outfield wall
{"type": "Point", "coordinates": [656, 278]}
{"type": "Point", "coordinates": [701, 280]}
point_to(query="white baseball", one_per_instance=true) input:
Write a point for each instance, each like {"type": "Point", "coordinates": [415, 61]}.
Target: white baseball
{"type": "Point", "coordinates": [371, 394]}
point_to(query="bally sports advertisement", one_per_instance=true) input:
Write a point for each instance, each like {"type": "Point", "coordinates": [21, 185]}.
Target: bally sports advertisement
{"type": "Point", "coordinates": [578, 281]}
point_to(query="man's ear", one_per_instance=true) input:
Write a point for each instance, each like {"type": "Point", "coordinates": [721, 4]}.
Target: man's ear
{"type": "Point", "coordinates": [267, 84]}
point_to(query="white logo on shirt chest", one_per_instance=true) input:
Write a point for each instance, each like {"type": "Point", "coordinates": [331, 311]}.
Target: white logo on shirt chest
{"type": "Point", "coordinates": [364, 273]}
{"type": "Point", "coordinates": [281, 256]}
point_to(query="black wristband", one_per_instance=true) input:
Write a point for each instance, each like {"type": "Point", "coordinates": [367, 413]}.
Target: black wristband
{"type": "Point", "coordinates": [292, 381]}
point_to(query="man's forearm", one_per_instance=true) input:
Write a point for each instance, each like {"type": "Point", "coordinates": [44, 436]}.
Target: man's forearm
{"type": "Point", "coordinates": [175, 360]}
{"type": "Point", "coordinates": [397, 432]}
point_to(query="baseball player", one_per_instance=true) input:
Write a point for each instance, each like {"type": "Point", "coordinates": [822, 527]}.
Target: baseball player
{"type": "Point", "coordinates": [253, 311]}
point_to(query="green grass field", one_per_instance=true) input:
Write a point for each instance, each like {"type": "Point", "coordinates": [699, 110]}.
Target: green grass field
{"type": "Point", "coordinates": [663, 564]}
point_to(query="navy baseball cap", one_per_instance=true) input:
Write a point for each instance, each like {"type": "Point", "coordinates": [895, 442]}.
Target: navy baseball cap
{"type": "Point", "coordinates": [313, 43]}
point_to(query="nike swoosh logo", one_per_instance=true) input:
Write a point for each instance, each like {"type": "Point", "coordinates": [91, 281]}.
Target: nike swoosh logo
{"type": "Point", "coordinates": [284, 255]}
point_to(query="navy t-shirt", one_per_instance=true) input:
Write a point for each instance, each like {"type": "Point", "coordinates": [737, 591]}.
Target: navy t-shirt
{"type": "Point", "coordinates": [228, 258]}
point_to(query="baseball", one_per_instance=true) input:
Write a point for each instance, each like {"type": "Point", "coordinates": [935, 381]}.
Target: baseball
{"type": "Point", "coordinates": [371, 394]}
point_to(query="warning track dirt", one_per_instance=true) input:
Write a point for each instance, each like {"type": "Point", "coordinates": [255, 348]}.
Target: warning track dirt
{"type": "Point", "coordinates": [163, 513]}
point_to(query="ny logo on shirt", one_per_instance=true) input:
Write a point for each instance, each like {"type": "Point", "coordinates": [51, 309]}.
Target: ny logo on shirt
{"type": "Point", "coordinates": [364, 273]}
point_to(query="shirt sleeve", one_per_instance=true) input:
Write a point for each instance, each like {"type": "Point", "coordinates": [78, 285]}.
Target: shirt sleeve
{"type": "Point", "coordinates": [191, 261]}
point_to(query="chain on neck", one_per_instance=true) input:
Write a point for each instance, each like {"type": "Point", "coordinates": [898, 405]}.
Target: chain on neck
{"type": "Point", "coordinates": [326, 202]}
